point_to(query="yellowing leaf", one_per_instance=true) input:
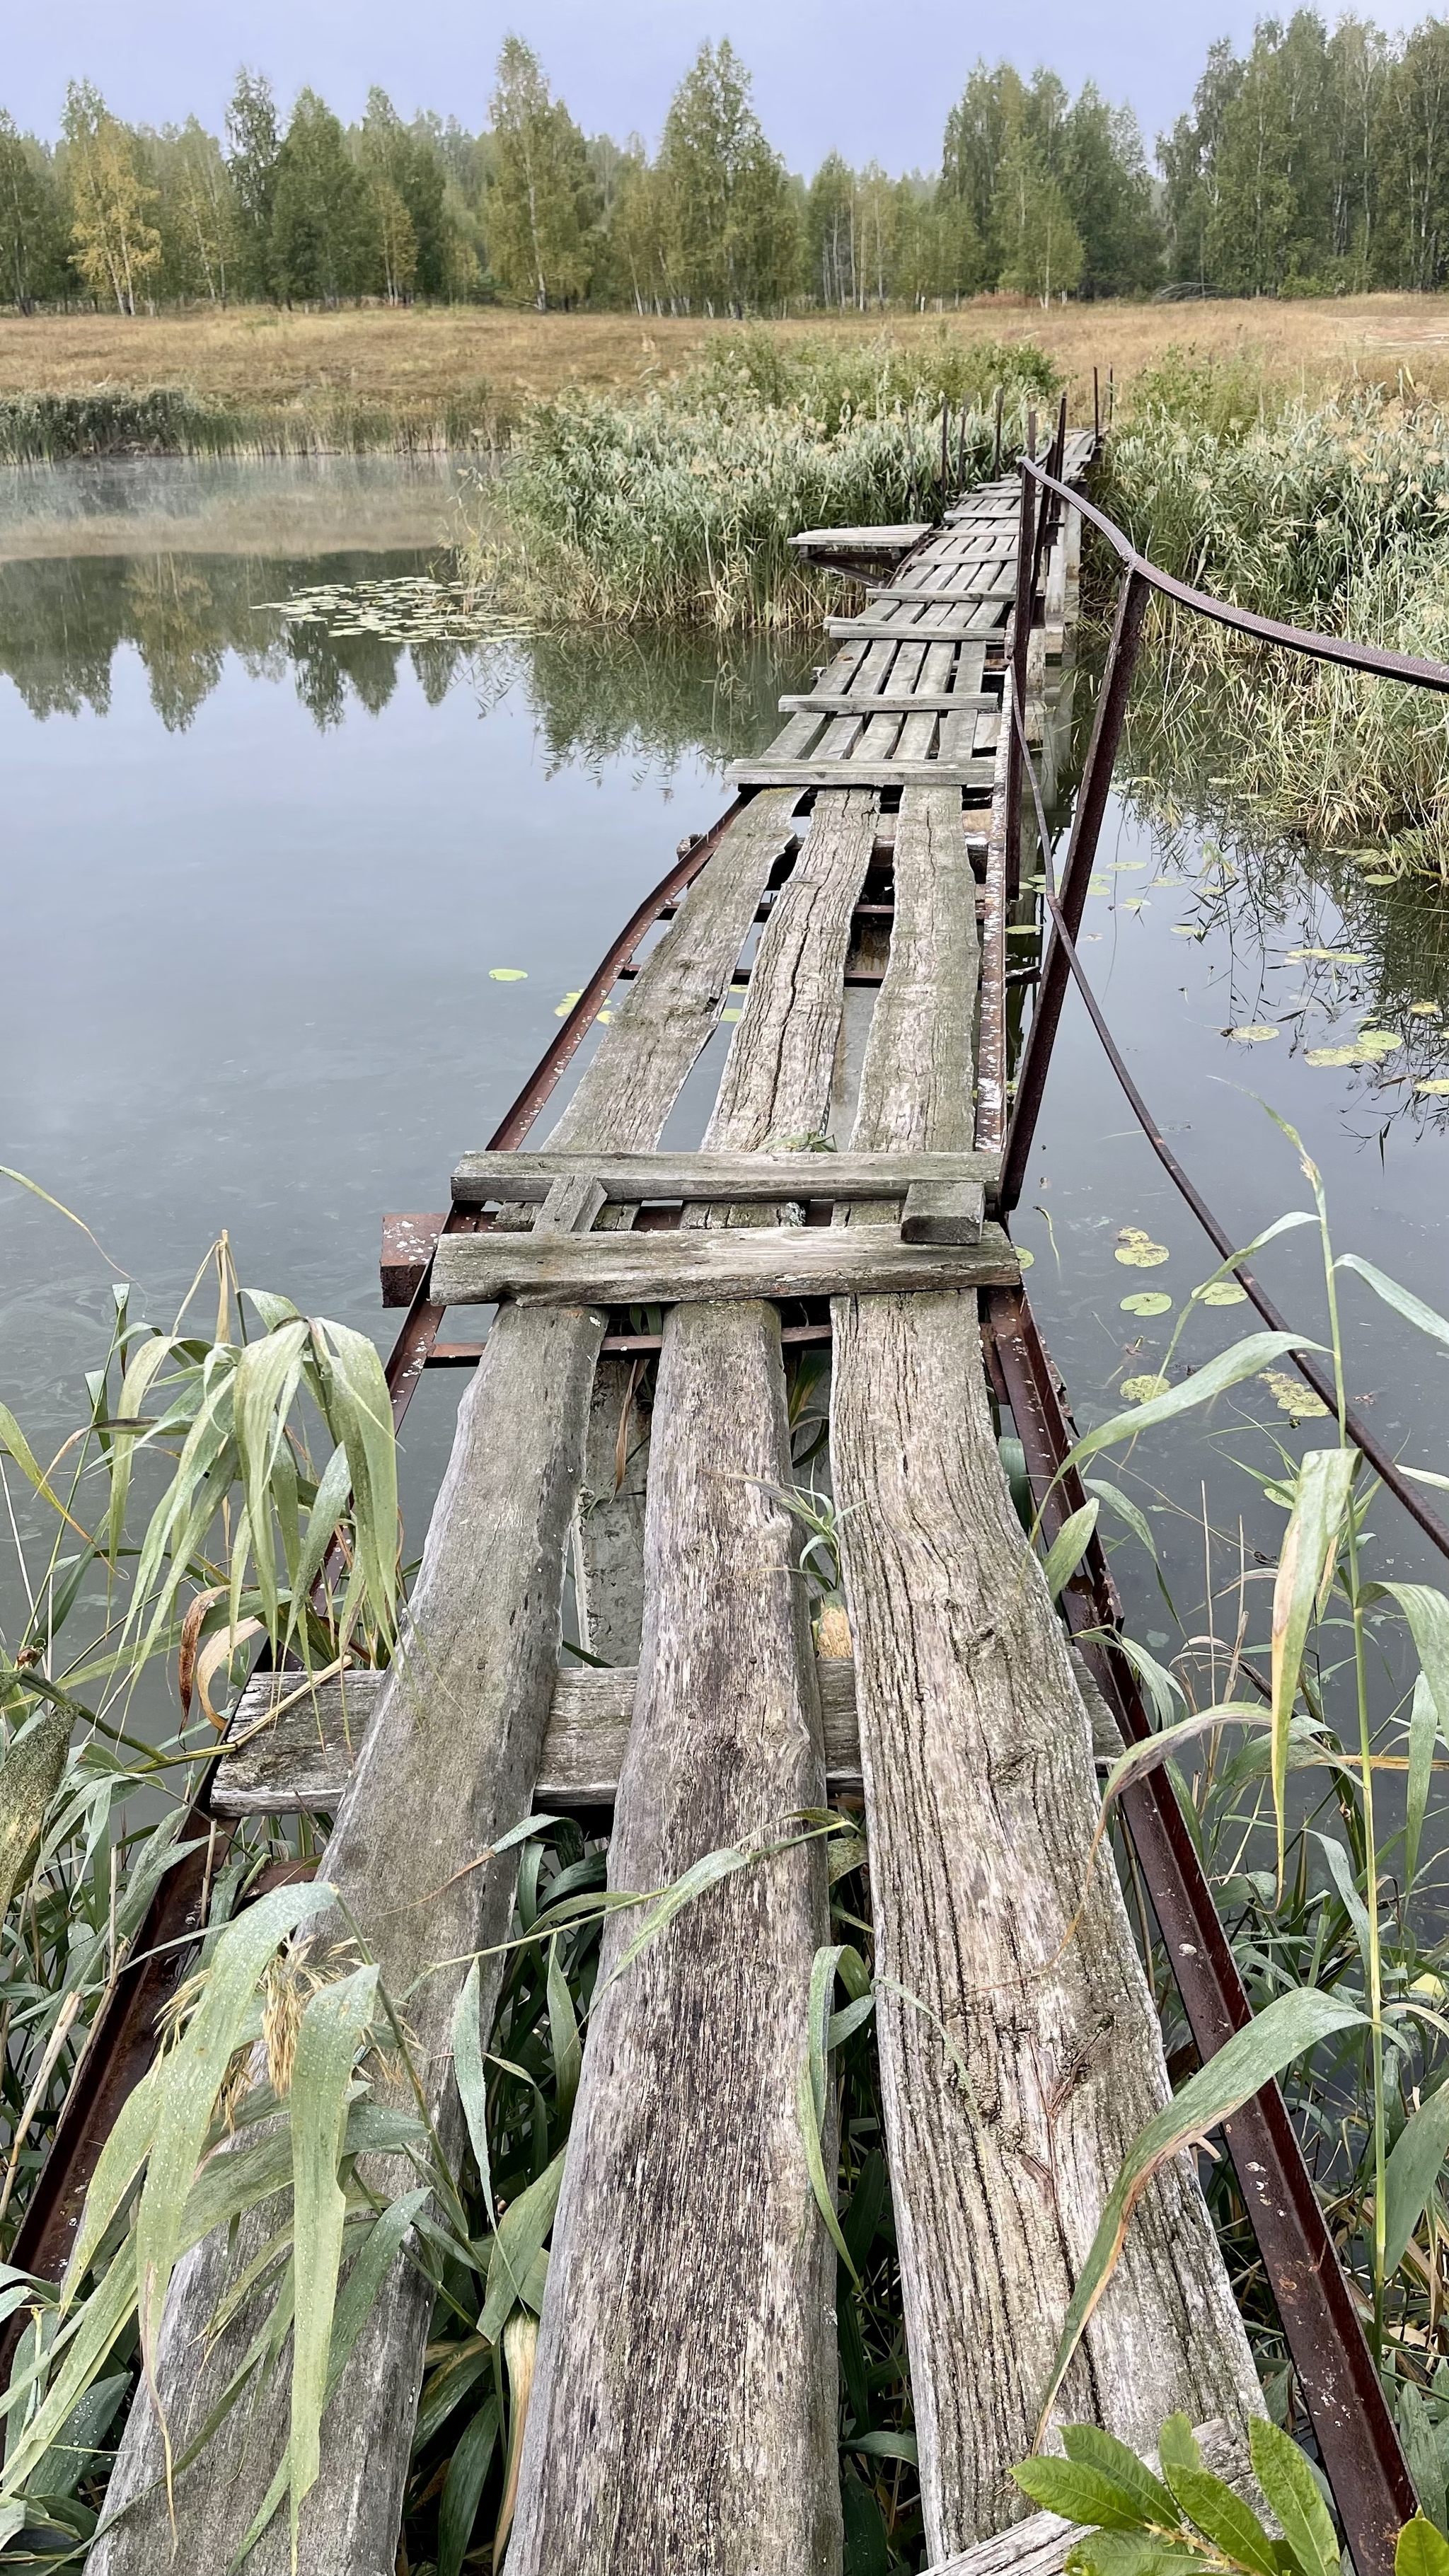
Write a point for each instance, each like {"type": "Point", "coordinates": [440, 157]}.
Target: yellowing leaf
{"type": "Point", "coordinates": [1146, 1301]}
{"type": "Point", "coordinates": [566, 1005]}
{"type": "Point", "coordinates": [1425, 1010]}
{"type": "Point", "coordinates": [1438, 1083]}
{"type": "Point", "coordinates": [1292, 1396]}
{"type": "Point", "coordinates": [1137, 1251]}
{"type": "Point", "coordinates": [1141, 1390]}
{"type": "Point", "coordinates": [1187, 930]}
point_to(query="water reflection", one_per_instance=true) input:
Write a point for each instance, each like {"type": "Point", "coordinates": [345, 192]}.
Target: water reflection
{"type": "Point", "coordinates": [597, 698]}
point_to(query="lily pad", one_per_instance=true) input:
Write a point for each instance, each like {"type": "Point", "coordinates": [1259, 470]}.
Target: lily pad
{"type": "Point", "coordinates": [1255, 1035]}
{"type": "Point", "coordinates": [1187, 930]}
{"type": "Point", "coordinates": [1380, 1041]}
{"type": "Point", "coordinates": [1024, 1256]}
{"type": "Point", "coordinates": [1438, 1082]}
{"type": "Point", "coordinates": [1336, 1055]}
{"type": "Point", "coordinates": [1137, 1251]}
{"type": "Point", "coordinates": [1141, 1390]}
{"type": "Point", "coordinates": [566, 1005]}
{"type": "Point", "coordinates": [1292, 1396]}
{"type": "Point", "coordinates": [1425, 1010]}
{"type": "Point", "coordinates": [1132, 903]}
{"type": "Point", "coordinates": [1147, 1301]}
{"type": "Point", "coordinates": [1221, 1292]}
{"type": "Point", "coordinates": [508, 975]}
{"type": "Point", "coordinates": [1334, 956]}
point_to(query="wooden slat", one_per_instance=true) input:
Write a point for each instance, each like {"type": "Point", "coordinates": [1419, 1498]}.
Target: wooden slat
{"type": "Point", "coordinates": [685, 2380]}
{"type": "Point", "coordinates": [898, 539]}
{"type": "Point", "coordinates": [976, 1756]}
{"type": "Point", "coordinates": [943, 1212]}
{"type": "Point", "coordinates": [859, 773]}
{"type": "Point", "coordinates": [899, 702]}
{"type": "Point", "coordinates": [715, 1176]}
{"type": "Point", "coordinates": [948, 630]}
{"type": "Point", "coordinates": [450, 1766]}
{"type": "Point", "coordinates": [301, 1763]}
{"type": "Point", "coordinates": [687, 1267]}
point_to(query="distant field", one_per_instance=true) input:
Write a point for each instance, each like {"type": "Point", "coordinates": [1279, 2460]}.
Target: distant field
{"type": "Point", "coordinates": [420, 364]}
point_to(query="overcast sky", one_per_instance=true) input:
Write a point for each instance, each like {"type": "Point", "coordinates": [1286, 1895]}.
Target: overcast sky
{"type": "Point", "coordinates": [853, 75]}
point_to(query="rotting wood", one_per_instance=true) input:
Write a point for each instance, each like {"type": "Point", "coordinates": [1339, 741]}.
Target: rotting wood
{"type": "Point", "coordinates": [683, 2410]}
{"type": "Point", "coordinates": [609, 1527]}
{"type": "Point", "coordinates": [980, 1802]}
{"type": "Point", "coordinates": [665, 1266]}
{"type": "Point", "coordinates": [801, 772]}
{"type": "Point", "coordinates": [450, 1766]}
{"type": "Point", "coordinates": [943, 1212]}
{"type": "Point", "coordinates": [301, 1762]}
{"type": "Point", "coordinates": [668, 1177]}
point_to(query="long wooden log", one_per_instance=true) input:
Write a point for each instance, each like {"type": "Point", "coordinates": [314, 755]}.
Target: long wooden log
{"type": "Point", "coordinates": [448, 1768]}
{"type": "Point", "coordinates": [683, 2410]}
{"type": "Point", "coordinates": [684, 2395]}
{"type": "Point", "coordinates": [665, 1266]}
{"type": "Point", "coordinates": [976, 1755]}
{"type": "Point", "coordinates": [453, 1764]}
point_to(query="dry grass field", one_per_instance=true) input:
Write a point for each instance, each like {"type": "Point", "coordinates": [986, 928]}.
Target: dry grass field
{"type": "Point", "coordinates": [416, 362]}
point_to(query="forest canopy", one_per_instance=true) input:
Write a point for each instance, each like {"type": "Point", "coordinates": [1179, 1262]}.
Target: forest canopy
{"type": "Point", "coordinates": [1315, 162]}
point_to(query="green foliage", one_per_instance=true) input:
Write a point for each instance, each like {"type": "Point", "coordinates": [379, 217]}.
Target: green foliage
{"type": "Point", "coordinates": [32, 221]}
{"type": "Point", "coordinates": [325, 220]}
{"type": "Point", "coordinates": [724, 201]}
{"type": "Point", "coordinates": [681, 505]}
{"type": "Point", "coordinates": [1136, 2523]}
{"type": "Point", "coordinates": [540, 210]}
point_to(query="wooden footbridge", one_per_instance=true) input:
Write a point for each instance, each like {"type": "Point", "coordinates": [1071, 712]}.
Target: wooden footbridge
{"type": "Point", "coordinates": [851, 913]}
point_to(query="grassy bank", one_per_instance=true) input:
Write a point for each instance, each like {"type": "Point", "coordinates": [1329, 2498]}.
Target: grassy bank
{"type": "Point", "coordinates": [1333, 516]}
{"type": "Point", "coordinates": [368, 376]}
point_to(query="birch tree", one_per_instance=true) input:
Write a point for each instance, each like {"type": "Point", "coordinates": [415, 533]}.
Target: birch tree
{"type": "Point", "coordinates": [540, 208]}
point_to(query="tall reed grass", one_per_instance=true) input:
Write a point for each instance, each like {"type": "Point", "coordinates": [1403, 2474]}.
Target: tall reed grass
{"type": "Point", "coordinates": [173, 420]}
{"type": "Point", "coordinates": [1334, 517]}
{"type": "Point", "coordinates": [679, 507]}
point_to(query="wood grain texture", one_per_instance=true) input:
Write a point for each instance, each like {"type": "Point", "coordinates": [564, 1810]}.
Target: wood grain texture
{"type": "Point", "coordinates": [301, 1763]}
{"type": "Point", "coordinates": [451, 1762]}
{"type": "Point", "coordinates": [976, 1754]}
{"type": "Point", "coordinates": [668, 1266]}
{"type": "Point", "coordinates": [683, 2412]}
{"type": "Point", "coordinates": [667, 1177]}
{"type": "Point", "coordinates": [448, 1766]}
{"type": "Point", "coordinates": [609, 1529]}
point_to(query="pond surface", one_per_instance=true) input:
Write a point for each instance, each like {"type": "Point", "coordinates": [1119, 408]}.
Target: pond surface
{"type": "Point", "coordinates": [289, 916]}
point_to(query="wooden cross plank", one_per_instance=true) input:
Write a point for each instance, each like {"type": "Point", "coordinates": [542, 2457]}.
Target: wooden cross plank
{"type": "Point", "coordinates": [669, 1268]}
{"type": "Point", "coordinates": [721, 1178]}
{"type": "Point", "coordinates": [300, 1762]}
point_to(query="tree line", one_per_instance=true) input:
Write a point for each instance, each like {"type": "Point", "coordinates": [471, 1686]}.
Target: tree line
{"type": "Point", "coordinates": [1311, 163]}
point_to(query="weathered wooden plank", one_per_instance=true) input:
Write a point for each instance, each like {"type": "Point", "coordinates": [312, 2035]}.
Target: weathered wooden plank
{"type": "Point", "coordinates": [686, 2368]}
{"type": "Point", "coordinates": [859, 773]}
{"type": "Point", "coordinates": [896, 539]}
{"type": "Point", "coordinates": [449, 1766]}
{"type": "Point", "coordinates": [977, 1762]}
{"type": "Point", "coordinates": [301, 1762]}
{"type": "Point", "coordinates": [674, 1267]}
{"type": "Point", "coordinates": [943, 1212]}
{"type": "Point", "coordinates": [969, 586]}
{"type": "Point", "coordinates": [900, 702]}
{"type": "Point", "coordinates": [667, 1177]}
{"type": "Point", "coordinates": [949, 630]}
{"type": "Point", "coordinates": [683, 2408]}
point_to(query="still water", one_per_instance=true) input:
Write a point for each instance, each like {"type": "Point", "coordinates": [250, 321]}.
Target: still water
{"type": "Point", "coordinates": [289, 917]}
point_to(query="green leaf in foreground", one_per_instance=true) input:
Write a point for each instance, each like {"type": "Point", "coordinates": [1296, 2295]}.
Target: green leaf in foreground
{"type": "Point", "coordinates": [1229, 1368]}
{"type": "Point", "coordinates": [1291, 2490]}
{"type": "Point", "coordinates": [1421, 2550]}
{"type": "Point", "coordinates": [333, 2026]}
{"type": "Point", "coordinates": [1251, 2058]}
